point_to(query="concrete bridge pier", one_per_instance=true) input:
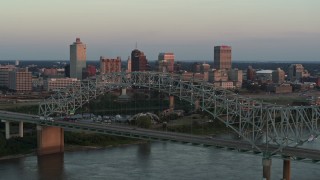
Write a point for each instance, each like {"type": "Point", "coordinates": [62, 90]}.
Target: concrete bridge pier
{"type": "Point", "coordinates": [266, 163]}
{"type": "Point", "coordinates": [20, 129]}
{"type": "Point", "coordinates": [7, 129]}
{"type": "Point", "coordinates": [50, 140]}
{"type": "Point", "coordinates": [171, 101]}
{"type": "Point", "coordinates": [124, 91]}
{"type": "Point", "coordinates": [286, 169]}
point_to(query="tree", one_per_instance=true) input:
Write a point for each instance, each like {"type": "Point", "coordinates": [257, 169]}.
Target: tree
{"type": "Point", "coordinates": [143, 121]}
{"type": "Point", "coordinates": [2, 141]}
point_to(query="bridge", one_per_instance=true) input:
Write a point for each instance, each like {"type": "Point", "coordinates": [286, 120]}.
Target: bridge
{"type": "Point", "coordinates": [267, 128]}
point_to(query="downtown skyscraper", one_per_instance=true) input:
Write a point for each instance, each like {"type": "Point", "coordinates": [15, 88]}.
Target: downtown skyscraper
{"type": "Point", "coordinates": [139, 61]}
{"type": "Point", "coordinates": [222, 57]}
{"type": "Point", "coordinates": [78, 56]}
{"type": "Point", "coordinates": [166, 62]}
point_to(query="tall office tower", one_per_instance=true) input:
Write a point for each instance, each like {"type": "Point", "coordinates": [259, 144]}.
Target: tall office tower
{"type": "Point", "coordinates": [110, 65]}
{"type": "Point", "coordinates": [278, 76]}
{"type": "Point", "coordinates": [139, 61]}
{"type": "Point", "coordinates": [296, 72]}
{"type": "Point", "coordinates": [222, 57]}
{"type": "Point", "coordinates": [77, 59]}
{"type": "Point", "coordinates": [166, 62]}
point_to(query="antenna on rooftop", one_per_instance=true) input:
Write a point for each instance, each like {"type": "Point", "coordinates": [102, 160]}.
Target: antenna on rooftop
{"type": "Point", "coordinates": [136, 45]}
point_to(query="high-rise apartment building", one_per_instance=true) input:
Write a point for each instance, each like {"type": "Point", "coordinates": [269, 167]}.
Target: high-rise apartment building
{"type": "Point", "coordinates": [222, 57]}
{"type": "Point", "coordinates": [110, 65]}
{"type": "Point", "coordinates": [78, 58]}
{"type": "Point", "coordinates": [166, 62]}
{"type": "Point", "coordinates": [20, 80]}
{"type": "Point", "coordinates": [139, 61]}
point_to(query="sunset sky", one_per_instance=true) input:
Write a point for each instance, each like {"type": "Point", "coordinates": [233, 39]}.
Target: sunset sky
{"type": "Point", "coordinates": [256, 29]}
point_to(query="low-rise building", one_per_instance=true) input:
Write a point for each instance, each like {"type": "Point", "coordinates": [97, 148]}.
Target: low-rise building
{"type": "Point", "coordinates": [264, 75]}
{"type": "Point", "coordinates": [187, 76]}
{"type": "Point", "coordinates": [224, 84]}
{"type": "Point", "coordinates": [54, 84]}
{"type": "Point", "coordinates": [37, 82]}
{"type": "Point", "coordinates": [218, 75]}
{"type": "Point", "coordinates": [280, 88]}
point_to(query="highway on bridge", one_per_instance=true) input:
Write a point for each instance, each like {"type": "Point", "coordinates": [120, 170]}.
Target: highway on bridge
{"type": "Point", "coordinates": [154, 135]}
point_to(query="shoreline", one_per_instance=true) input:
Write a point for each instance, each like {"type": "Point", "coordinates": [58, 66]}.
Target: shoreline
{"type": "Point", "coordinates": [71, 148]}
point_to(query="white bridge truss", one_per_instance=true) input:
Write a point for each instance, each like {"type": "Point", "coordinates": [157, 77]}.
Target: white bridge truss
{"type": "Point", "coordinates": [256, 122]}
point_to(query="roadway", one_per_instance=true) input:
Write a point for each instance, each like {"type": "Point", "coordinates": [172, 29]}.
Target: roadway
{"type": "Point", "coordinates": [154, 135]}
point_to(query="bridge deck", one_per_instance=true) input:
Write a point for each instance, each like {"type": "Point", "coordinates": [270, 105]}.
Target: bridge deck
{"type": "Point", "coordinates": [154, 135]}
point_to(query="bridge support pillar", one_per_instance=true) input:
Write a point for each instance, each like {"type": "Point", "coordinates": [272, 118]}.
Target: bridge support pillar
{"type": "Point", "coordinates": [286, 169]}
{"type": "Point", "coordinates": [124, 92]}
{"type": "Point", "coordinates": [171, 105]}
{"type": "Point", "coordinates": [50, 140]}
{"type": "Point", "coordinates": [266, 163]}
{"type": "Point", "coordinates": [20, 129]}
{"type": "Point", "coordinates": [7, 129]}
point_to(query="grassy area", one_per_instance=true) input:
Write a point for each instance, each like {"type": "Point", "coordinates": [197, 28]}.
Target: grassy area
{"type": "Point", "coordinates": [196, 124]}
{"type": "Point", "coordinates": [17, 145]}
{"type": "Point", "coordinates": [284, 100]}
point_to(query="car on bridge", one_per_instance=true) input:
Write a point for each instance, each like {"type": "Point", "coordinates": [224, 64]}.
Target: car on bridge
{"type": "Point", "coordinates": [46, 118]}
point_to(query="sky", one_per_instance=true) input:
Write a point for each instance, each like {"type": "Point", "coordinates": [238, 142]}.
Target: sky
{"type": "Point", "coordinates": [257, 30]}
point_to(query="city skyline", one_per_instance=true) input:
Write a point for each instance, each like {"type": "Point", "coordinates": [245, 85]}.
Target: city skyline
{"type": "Point", "coordinates": [273, 30]}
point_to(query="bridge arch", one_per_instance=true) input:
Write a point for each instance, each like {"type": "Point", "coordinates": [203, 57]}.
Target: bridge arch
{"type": "Point", "coordinates": [255, 122]}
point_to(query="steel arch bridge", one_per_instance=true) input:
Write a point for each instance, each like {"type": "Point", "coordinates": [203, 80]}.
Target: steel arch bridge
{"type": "Point", "coordinates": [256, 122]}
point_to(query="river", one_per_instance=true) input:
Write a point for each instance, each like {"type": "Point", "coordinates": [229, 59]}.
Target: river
{"type": "Point", "coordinates": [156, 161]}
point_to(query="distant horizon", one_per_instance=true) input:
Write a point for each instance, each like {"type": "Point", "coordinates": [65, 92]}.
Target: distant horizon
{"type": "Point", "coordinates": [266, 30]}
{"type": "Point", "coordinates": [205, 61]}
